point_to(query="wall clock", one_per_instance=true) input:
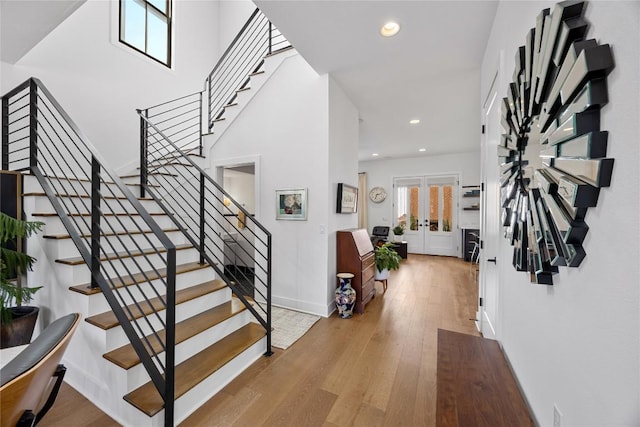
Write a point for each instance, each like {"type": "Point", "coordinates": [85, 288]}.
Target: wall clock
{"type": "Point", "coordinates": [377, 194]}
{"type": "Point", "coordinates": [553, 153]}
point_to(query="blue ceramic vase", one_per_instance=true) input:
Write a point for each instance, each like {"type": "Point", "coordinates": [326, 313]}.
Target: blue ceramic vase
{"type": "Point", "coordinates": [345, 296]}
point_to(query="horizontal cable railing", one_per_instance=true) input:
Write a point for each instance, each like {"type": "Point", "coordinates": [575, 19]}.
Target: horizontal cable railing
{"type": "Point", "coordinates": [101, 216]}
{"type": "Point", "coordinates": [228, 237]}
{"type": "Point", "coordinates": [245, 55]}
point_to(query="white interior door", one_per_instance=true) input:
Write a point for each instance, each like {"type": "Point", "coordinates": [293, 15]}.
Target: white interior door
{"type": "Point", "coordinates": [488, 292]}
{"type": "Point", "coordinates": [427, 207]}
{"type": "Point", "coordinates": [441, 207]}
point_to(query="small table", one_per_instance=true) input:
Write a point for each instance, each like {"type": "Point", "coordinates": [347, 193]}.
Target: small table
{"type": "Point", "coordinates": [401, 248]}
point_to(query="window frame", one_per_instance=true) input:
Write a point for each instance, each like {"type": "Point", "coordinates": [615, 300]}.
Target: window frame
{"type": "Point", "coordinates": [169, 18]}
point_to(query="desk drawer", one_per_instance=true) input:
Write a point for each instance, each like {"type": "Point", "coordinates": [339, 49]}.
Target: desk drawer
{"type": "Point", "coordinates": [368, 273]}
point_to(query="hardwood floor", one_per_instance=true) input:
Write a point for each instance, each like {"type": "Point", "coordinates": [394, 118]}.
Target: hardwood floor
{"type": "Point", "coordinates": [378, 368]}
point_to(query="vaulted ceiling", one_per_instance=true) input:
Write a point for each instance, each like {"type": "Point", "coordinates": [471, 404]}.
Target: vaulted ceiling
{"type": "Point", "coordinates": [392, 80]}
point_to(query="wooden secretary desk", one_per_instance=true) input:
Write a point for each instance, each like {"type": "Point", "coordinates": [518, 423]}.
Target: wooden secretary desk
{"type": "Point", "coordinates": [355, 255]}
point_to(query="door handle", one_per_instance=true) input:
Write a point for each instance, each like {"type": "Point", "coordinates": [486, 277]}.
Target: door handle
{"type": "Point", "coordinates": [493, 260]}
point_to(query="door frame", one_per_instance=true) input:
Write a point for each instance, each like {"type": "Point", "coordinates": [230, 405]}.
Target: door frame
{"type": "Point", "coordinates": [490, 328]}
{"type": "Point", "coordinates": [423, 177]}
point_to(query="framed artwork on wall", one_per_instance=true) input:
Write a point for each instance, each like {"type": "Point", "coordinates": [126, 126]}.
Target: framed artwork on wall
{"type": "Point", "coordinates": [347, 199]}
{"type": "Point", "coordinates": [291, 204]}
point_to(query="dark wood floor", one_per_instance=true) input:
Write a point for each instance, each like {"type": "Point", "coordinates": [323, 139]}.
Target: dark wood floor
{"type": "Point", "coordinates": [379, 368]}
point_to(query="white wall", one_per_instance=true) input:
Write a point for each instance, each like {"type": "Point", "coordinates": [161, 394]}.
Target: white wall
{"type": "Point", "coordinates": [288, 126]}
{"type": "Point", "coordinates": [576, 344]}
{"type": "Point", "coordinates": [100, 82]}
{"type": "Point", "coordinates": [381, 173]}
{"type": "Point", "coordinates": [343, 167]}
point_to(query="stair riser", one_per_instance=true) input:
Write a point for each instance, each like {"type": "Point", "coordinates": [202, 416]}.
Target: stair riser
{"type": "Point", "coordinates": [83, 204]}
{"type": "Point", "coordinates": [98, 304]}
{"type": "Point", "coordinates": [54, 225]}
{"type": "Point", "coordinates": [65, 248]}
{"type": "Point", "coordinates": [199, 395]}
{"type": "Point", "coordinates": [31, 185]}
{"type": "Point", "coordinates": [76, 274]}
{"type": "Point", "coordinates": [138, 376]}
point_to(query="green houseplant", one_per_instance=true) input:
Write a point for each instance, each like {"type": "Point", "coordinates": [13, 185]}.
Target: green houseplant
{"type": "Point", "coordinates": [13, 263]}
{"type": "Point", "coordinates": [386, 259]}
{"type": "Point", "coordinates": [398, 230]}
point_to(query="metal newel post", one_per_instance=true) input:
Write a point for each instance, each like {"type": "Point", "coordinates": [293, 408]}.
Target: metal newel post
{"type": "Point", "coordinates": [95, 221]}
{"type": "Point", "coordinates": [270, 35]}
{"type": "Point", "coordinates": [202, 221]}
{"type": "Point", "coordinates": [5, 133]}
{"type": "Point", "coordinates": [144, 152]}
{"type": "Point", "coordinates": [170, 337]}
{"type": "Point", "coordinates": [33, 123]}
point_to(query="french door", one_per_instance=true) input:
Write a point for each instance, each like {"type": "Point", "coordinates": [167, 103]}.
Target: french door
{"type": "Point", "coordinates": [427, 207]}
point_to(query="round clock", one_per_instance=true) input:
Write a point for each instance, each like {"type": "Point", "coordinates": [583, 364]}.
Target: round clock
{"type": "Point", "coordinates": [377, 194]}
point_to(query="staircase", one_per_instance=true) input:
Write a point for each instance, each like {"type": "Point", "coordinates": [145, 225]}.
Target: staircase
{"type": "Point", "coordinates": [170, 313]}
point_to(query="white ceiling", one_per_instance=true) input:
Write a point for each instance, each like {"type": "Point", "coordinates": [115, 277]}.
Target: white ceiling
{"type": "Point", "coordinates": [23, 23]}
{"type": "Point", "coordinates": [391, 80]}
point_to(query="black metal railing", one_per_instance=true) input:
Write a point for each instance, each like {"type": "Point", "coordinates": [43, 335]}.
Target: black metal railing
{"type": "Point", "coordinates": [101, 216]}
{"type": "Point", "coordinates": [245, 55]}
{"type": "Point", "coordinates": [228, 237]}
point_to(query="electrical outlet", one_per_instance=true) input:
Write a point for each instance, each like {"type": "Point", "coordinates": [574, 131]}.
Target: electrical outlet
{"type": "Point", "coordinates": [557, 416]}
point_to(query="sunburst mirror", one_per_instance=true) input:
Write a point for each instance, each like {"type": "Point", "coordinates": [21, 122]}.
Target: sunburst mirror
{"type": "Point", "coordinates": [553, 153]}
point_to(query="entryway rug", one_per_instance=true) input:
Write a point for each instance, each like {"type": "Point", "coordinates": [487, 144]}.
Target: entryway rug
{"type": "Point", "coordinates": [475, 385]}
{"type": "Point", "coordinates": [289, 326]}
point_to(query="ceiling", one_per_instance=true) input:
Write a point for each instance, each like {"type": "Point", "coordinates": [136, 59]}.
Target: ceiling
{"type": "Point", "coordinates": [24, 23]}
{"type": "Point", "coordinates": [391, 80]}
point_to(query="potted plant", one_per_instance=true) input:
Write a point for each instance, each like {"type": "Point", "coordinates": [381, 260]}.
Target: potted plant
{"type": "Point", "coordinates": [398, 231]}
{"type": "Point", "coordinates": [386, 259]}
{"type": "Point", "coordinates": [17, 321]}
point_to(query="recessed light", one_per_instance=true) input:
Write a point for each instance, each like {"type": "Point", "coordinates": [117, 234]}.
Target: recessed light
{"type": "Point", "coordinates": [414, 121]}
{"type": "Point", "coordinates": [375, 154]}
{"type": "Point", "coordinates": [422, 150]}
{"type": "Point", "coordinates": [390, 29]}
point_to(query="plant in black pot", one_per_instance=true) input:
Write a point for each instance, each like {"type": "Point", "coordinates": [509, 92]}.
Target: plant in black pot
{"type": "Point", "coordinates": [17, 321]}
{"type": "Point", "coordinates": [386, 259]}
{"type": "Point", "coordinates": [398, 231]}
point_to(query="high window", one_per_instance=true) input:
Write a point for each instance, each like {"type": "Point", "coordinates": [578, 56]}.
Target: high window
{"type": "Point", "coordinates": [145, 25]}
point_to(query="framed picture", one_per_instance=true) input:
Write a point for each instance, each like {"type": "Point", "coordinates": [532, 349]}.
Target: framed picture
{"type": "Point", "coordinates": [347, 199]}
{"type": "Point", "coordinates": [291, 204]}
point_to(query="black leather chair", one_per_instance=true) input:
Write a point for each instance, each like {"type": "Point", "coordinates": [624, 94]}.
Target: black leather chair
{"type": "Point", "coordinates": [379, 234]}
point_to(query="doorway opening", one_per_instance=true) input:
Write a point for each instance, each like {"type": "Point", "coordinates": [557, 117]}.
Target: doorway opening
{"type": "Point", "coordinates": [427, 208]}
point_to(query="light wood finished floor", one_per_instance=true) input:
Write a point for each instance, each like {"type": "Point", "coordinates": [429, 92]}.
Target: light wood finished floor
{"type": "Point", "coordinates": [375, 369]}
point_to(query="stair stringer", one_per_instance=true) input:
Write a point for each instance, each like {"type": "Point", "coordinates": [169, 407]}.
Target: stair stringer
{"type": "Point", "coordinates": [271, 65]}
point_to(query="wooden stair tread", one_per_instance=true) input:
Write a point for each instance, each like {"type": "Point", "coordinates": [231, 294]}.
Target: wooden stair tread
{"type": "Point", "coordinates": [52, 214]}
{"type": "Point", "coordinates": [233, 104]}
{"type": "Point", "coordinates": [221, 119]}
{"type": "Point", "coordinates": [150, 251]}
{"type": "Point", "coordinates": [126, 357]}
{"type": "Point", "coordinates": [149, 173]}
{"type": "Point", "coordinates": [120, 233]}
{"type": "Point", "coordinates": [82, 196]}
{"type": "Point", "coordinates": [194, 370]}
{"type": "Point", "coordinates": [243, 89]}
{"type": "Point", "coordinates": [257, 73]}
{"type": "Point", "coordinates": [108, 320]}
{"type": "Point", "coordinates": [275, 52]}
{"type": "Point", "coordinates": [128, 280]}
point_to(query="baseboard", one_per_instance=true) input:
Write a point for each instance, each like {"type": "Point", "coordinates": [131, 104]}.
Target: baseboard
{"type": "Point", "coordinates": [515, 377]}
{"type": "Point", "coordinates": [302, 306]}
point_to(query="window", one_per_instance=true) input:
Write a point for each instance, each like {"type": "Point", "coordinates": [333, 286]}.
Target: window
{"type": "Point", "coordinates": [145, 25]}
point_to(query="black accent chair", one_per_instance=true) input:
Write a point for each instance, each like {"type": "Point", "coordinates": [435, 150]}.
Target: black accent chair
{"type": "Point", "coordinates": [379, 235]}
{"type": "Point", "coordinates": [26, 379]}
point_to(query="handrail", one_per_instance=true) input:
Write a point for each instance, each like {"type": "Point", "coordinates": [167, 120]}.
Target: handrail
{"type": "Point", "coordinates": [201, 208]}
{"type": "Point", "coordinates": [257, 38]}
{"type": "Point", "coordinates": [80, 186]}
